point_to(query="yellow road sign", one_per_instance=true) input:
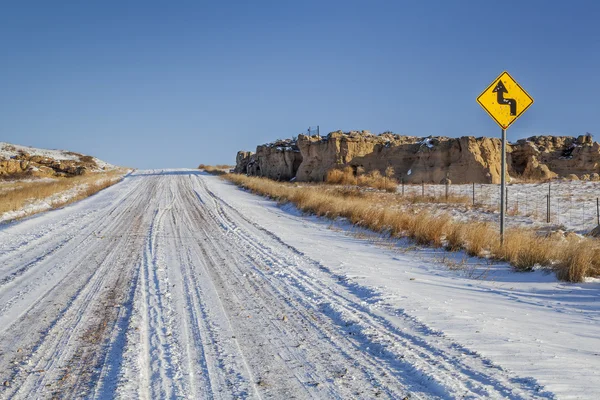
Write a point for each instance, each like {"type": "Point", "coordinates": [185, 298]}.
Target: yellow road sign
{"type": "Point", "coordinates": [505, 100]}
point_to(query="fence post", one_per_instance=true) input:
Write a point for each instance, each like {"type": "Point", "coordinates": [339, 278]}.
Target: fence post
{"type": "Point", "coordinates": [548, 208]}
{"type": "Point", "coordinates": [549, 202]}
{"type": "Point", "coordinates": [598, 210]}
{"type": "Point", "coordinates": [402, 180]}
{"type": "Point", "coordinates": [446, 189]}
{"type": "Point", "coordinates": [422, 188]}
{"type": "Point", "coordinates": [473, 193]}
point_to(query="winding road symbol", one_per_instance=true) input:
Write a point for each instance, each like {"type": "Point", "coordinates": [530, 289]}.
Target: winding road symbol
{"type": "Point", "coordinates": [500, 90]}
{"type": "Point", "coordinates": [495, 99]}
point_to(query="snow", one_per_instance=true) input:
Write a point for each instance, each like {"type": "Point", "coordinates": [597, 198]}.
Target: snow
{"type": "Point", "coordinates": [528, 323]}
{"type": "Point", "coordinates": [573, 204]}
{"type": "Point", "coordinates": [426, 142]}
{"type": "Point", "coordinates": [8, 150]}
{"type": "Point", "coordinates": [177, 284]}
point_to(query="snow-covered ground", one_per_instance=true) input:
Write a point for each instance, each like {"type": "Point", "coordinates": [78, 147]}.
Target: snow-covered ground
{"type": "Point", "coordinates": [35, 206]}
{"type": "Point", "coordinates": [178, 284]}
{"type": "Point", "coordinates": [573, 204]}
{"type": "Point", "coordinates": [9, 150]}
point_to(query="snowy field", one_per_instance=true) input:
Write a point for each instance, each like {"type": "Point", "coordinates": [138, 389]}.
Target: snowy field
{"type": "Point", "coordinates": [573, 204]}
{"type": "Point", "coordinates": [176, 284]}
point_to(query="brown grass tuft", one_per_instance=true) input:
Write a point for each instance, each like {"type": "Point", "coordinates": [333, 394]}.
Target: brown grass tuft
{"type": "Point", "coordinates": [343, 176]}
{"type": "Point", "coordinates": [479, 236]}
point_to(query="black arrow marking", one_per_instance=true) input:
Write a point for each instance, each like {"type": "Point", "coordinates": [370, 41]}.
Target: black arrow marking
{"type": "Point", "coordinates": [500, 89]}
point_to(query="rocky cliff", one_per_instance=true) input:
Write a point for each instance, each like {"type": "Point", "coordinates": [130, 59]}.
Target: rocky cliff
{"type": "Point", "coordinates": [18, 160]}
{"type": "Point", "coordinates": [278, 160]}
{"type": "Point", "coordinates": [432, 159]}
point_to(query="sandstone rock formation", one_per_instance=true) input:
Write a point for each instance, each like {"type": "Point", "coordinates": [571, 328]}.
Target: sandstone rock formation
{"type": "Point", "coordinates": [415, 160]}
{"type": "Point", "coordinates": [242, 159]}
{"type": "Point", "coordinates": [16, 160]}
{"type": "Point", "coordinates": [432, 159]}
{"type": "Point", "coordinates": [278, 160]}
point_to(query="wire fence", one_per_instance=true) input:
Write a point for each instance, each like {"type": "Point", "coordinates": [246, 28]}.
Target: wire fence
{"type": "Point", "coordinates": [573, 205]}
{"type": "Point", "coordinates": [313, 131]}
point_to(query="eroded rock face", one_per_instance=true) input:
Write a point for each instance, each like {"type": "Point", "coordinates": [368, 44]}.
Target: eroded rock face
{"type": "Point", "coordinates": [415, 160]}
{"type": "Point", "coordinates": [242, 159]}
{"type": "Point", "coordinates": [23, 163]}
{"type": "Point", "coordinates": [433, 159]}
{"type": "Point", "coordinates": [279, 160]}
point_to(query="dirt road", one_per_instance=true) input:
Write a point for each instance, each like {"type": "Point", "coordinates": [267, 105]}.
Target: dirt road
{"type": "Point", "coordinates": [158, 288]}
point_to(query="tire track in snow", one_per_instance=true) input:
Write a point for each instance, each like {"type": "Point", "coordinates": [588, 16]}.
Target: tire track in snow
{"type": "Point", "coordinates": [57, 351]}
{"type": "Point", "coordinates": [446, 365]}
{"type": "Point", "coordinates": [336, 368]}
{"type": "Point", "coordinates": [161, 289]}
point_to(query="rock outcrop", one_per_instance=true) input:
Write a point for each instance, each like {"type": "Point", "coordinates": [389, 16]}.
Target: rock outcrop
{"type": "Point", "coordinates": [432, 159]}
{"type": "Point", "coordinates": [278, 160]}
{"type": "Point", "coordinates": [15, 160]}
{"type": "Point", "coordinates": [415, 160]}
{"type": "Point", "coordinates": [242, 159]}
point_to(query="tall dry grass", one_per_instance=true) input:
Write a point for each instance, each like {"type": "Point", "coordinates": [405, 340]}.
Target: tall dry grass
{"type": "Point", "coordinates": [219, 169]}
{"type": "Point", "coordinates": [373, 179]}
{"type": "Point", "coordinates": [573, 260]}
{"type": "Point", "coordinates": [344, 176]}
{"type": "Point", "coordinates": [16, 195]}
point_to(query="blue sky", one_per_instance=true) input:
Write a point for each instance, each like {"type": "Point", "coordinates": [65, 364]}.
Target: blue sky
{"type": "Point", "coordinates": [173, 84]}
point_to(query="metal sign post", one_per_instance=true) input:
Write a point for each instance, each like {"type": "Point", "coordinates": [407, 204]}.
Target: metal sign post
{"type": "Point", "coordinates": [504, 100]}
{"type": "Point", "coordinates": [502, 186]}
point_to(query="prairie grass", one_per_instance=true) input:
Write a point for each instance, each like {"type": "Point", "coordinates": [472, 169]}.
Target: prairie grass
{"type": "Point", "coordinates": [343, 176]}
{"type": "Point", "coordinates": [451, 198]}
{"type": "Point", "coordinates": [577, 262]}
{"type": "Point", "coordinates": [572, 259]}
{"type": "Point", "coordinates": [15, 195]}
{"type": "Point", "coordinates": [219, 169]}
{"type": "Point", "coordinates": [373, 179]}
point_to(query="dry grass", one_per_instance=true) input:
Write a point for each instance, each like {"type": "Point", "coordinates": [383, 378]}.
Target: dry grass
{"type": "Point", "coordinates": [573, 259]}
{"type": "Point", "coordinates": [452, 199]}
{"type": "Point", "coordinates": [578, 260]}
{"type": "Point", "coordinates": [219, 169]}
{"type": "Point", "coordinates": [343, 176]}
{"type": "Point", "coordinates": [373, 179]}
{"type": "Point", "coordinates": [478, 238]}
{"type": "Point", "coordinates": [16, 195]}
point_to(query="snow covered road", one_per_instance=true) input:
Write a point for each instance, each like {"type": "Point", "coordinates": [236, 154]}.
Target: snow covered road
{"type": "Point", "coordinates": [163, 287]}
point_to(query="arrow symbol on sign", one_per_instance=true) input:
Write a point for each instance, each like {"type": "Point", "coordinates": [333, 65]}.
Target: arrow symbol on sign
{"type": "Point", "coordinates": [500, 90]}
